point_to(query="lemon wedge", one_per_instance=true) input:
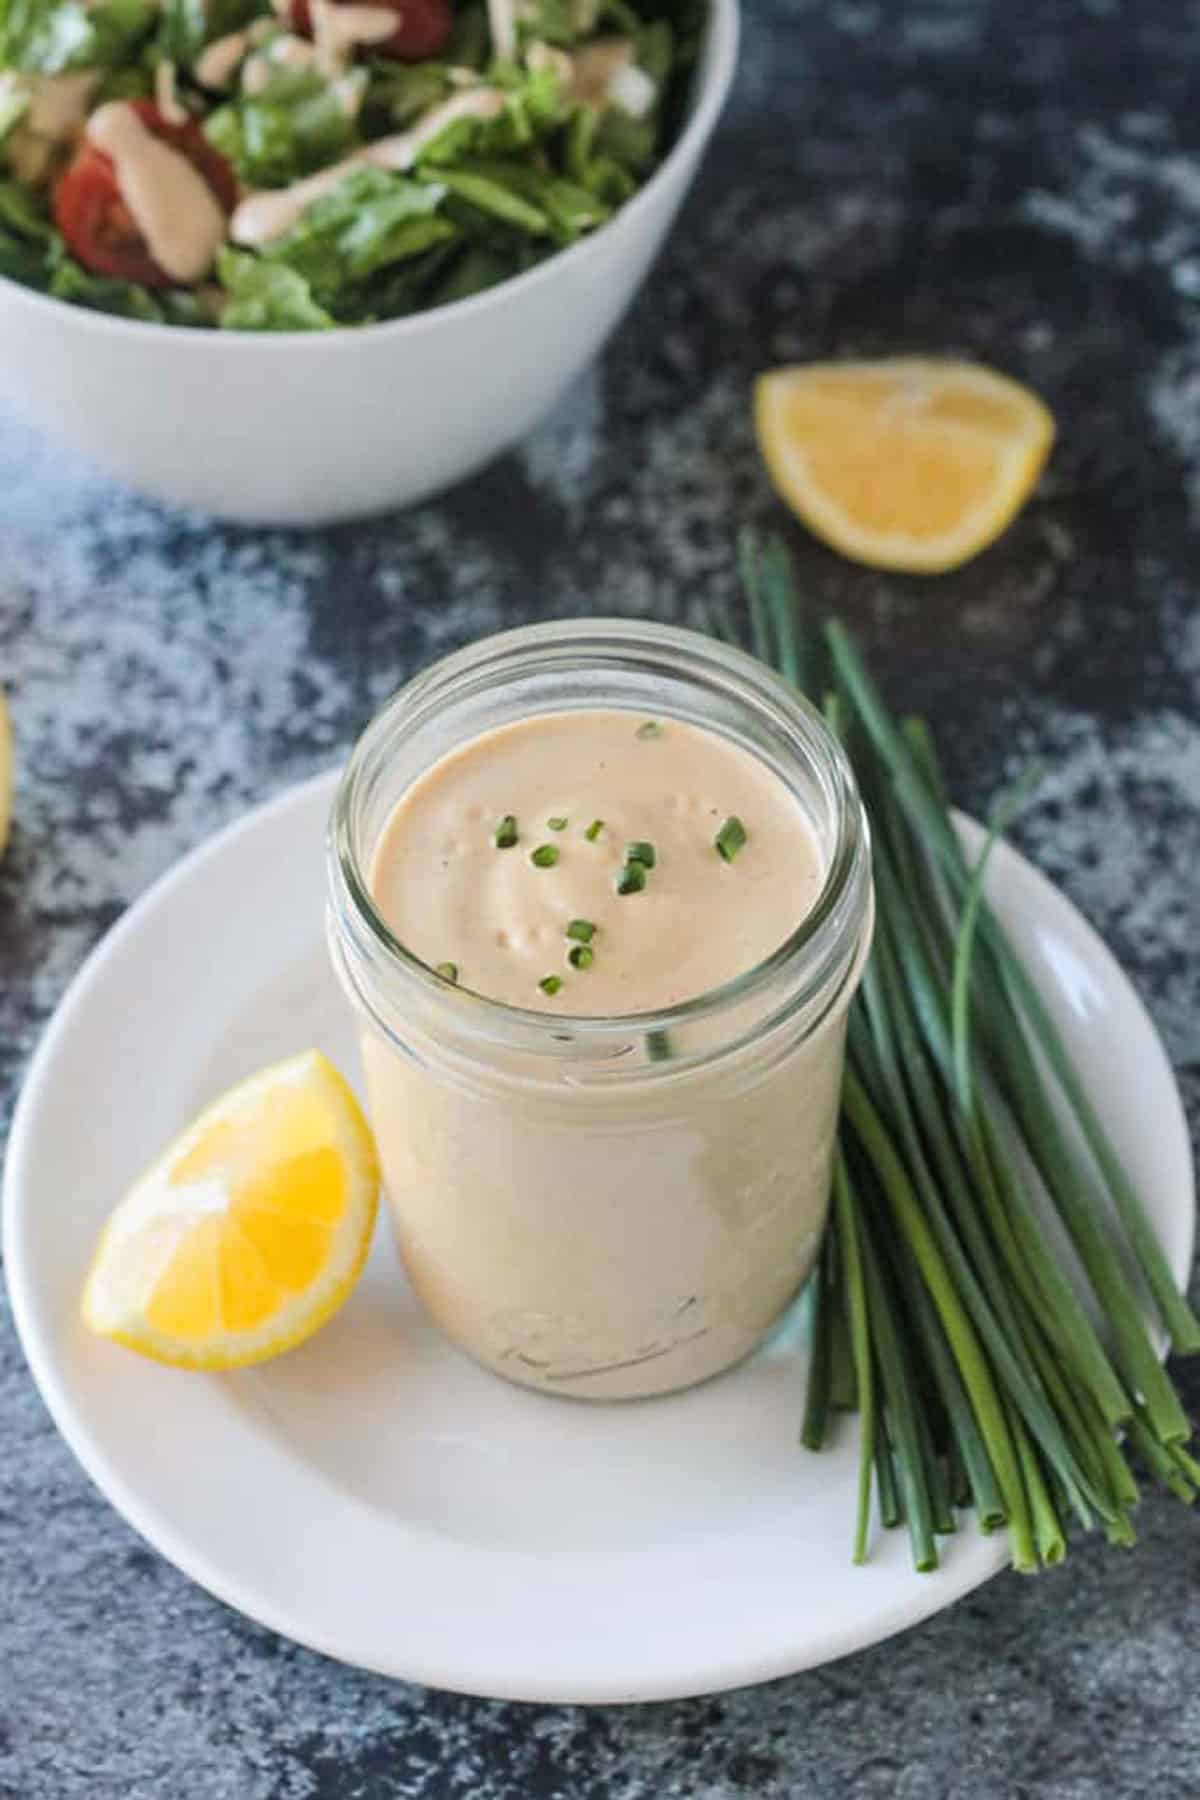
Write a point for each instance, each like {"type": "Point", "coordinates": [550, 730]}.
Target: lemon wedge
{"type": "Point", "coordinates": [249, 1231]}
{"type": "Point", "coordinates": [6, 772]}
{"type": "Point", "coordinates": [909, 463]}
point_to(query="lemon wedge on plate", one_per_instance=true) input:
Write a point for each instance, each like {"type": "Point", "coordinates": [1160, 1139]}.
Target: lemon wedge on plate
{"type": "Point", "coordinates": [6, 772]}
{"type": "Point", "coordinates": [249, 1231]}
{"type": "Point", "coordinates": [910, 463]}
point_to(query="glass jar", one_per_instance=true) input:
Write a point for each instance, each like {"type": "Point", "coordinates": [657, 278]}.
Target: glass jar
{"type": "Point", "coordinates": [605, 1207]}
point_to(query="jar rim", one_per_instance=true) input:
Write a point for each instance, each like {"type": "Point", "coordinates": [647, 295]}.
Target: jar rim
{"type": "Point", "coordinates": [828, 935]}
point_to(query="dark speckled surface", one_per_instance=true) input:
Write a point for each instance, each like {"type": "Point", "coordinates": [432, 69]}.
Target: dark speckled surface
{"type": "Point", "coordinates": [1019, 182]}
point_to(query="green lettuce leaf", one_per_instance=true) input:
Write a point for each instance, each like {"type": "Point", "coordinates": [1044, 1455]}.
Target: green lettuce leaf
{"type": "Point", "coordinates": [134, 83]}
{"type": "Point", "coordinates": [126, 299]}
{"type": "Point", "coordinates": [476, 269]}
{"type": "Point", "coordinates": [267, 296]}
{"type": "Point", "coordinates": [46, 37]}
{"type": "Point", "coordinates": [533, 200]}
{"type": "Point", "coordinates": [470, 43]}
{"type": "Point", "coordinates": [28, 240]}
{"type": "Point", "coordinates": [549, 22]}
{"type": "Point", "coordinates": [14, 104]}
{"type": "Point", "coordinates": [296, 125]}
{"type": "Point", "coordinates": [369, 222]}
{"type": "Point", "coordinates": [186, 26]}
{"type": "Point", "coordinates": [398, 93]}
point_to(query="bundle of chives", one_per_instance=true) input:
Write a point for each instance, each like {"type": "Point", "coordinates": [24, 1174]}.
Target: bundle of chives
{"type": "Point", "coordinates": [981, 1218]}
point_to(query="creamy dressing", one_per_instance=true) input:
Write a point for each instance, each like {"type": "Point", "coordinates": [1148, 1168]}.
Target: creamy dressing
{"type": "Point", "coordinates": [452, 896]}
{"type": "Point", "coordinates": [262, 217]}
{"type": "Point", "coordinates": [541, 56]}
{"type": "Point", "coordinates": [169, 201]}
{"type": "Point", "coordinates": [339, 29]}
{"type": "Point", "coordinates": [598, 1227]}
{"type": "Point", "coordinates": [595, 66]}
{"type": "Point", "coordinates": [165, 97]}
{"type": "Point", "coordinates": [502, 23]}
{"type": "Point", "coordinates": [633, 91]}
{"type": "Point", "coordinates": [220, 61]}
{"type": "Point", "coordinates": [606, 74]}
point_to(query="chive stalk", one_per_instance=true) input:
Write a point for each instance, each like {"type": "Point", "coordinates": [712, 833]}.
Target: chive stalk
{"type": "Point", "coordinates": [970, 1241]}
{"type": "Point", "coordinates": [730, 839]}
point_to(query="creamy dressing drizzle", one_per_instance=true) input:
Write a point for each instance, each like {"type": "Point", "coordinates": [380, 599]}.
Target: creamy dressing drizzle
{"type": "Point", "coordinates": [502, 23]}
{"type": "Point", "coordinates": [544, 56]}
{"type": "Point", "coordinates": [219, 61]}
{"type": "Point", "coordinates": [165, 97]}
{"type": "Point", "coordinates": [262, 217]}
{"type": "Point", "coordinates": [633, 91]}
{"type": "Point", "coordinates": [338, 30]}
{"type": "Point", "coordinates": [596, 66]}
{"type": "Point", "coordinates": [169, 201]}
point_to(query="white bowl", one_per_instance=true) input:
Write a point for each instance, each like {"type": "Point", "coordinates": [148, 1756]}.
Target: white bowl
{"type": "Point", "coordinates": [303, 429]}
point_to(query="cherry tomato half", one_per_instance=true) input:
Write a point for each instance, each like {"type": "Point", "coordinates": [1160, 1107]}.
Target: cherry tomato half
{"type": "Point", "coordinates": [422, 27]}
{"type": "Point", "coordinates": [93, 218]}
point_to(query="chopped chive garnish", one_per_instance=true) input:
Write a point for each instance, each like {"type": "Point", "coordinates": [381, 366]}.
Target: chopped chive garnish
{"type": "Point", "coordinates": [581, 956]}
{"type": "Point", "coordinates": [447, 971]}
{"type": "Point", "coordinates": [658, 1046]}
{"type": "Point", "coordinates": [730, 838]}
{"type": "Point", "coordinates": [506, 833]}
{"type": "Point", "coordinates": [558, 823]}
{"type": "Point", "coordinates": [545, 856]}
{"type": "Point", "coordinates": [582, 930]}
{"type": "Point", "coordinates": [651, 729]}
{"type": "Point", "coordinates": [641, 852]}
{"type": "Point", "coordinates": [593, 831]}
{"type": "Point", "coordinates": [632, 878]}
{"type": "Point", "coordinates": [550, 984]}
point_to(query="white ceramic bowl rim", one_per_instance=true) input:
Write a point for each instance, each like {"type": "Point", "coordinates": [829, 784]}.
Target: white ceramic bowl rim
{"type": "Point", "coordinates": [715, 72]}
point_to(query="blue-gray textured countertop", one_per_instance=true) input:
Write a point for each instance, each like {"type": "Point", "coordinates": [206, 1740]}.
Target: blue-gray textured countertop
{"type": "Point", "coordinates": [1018, 182]}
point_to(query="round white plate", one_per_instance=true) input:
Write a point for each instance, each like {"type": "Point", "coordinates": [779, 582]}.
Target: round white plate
{"type": "Point", "coordinates": [374, 1494]}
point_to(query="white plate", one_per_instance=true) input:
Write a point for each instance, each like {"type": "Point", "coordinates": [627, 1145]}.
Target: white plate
{"type": "Point", "coordinates": [375, 1495]}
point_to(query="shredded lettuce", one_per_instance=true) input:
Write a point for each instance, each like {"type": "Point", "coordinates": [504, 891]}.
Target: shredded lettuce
{"type": "Point", "coordinates": [128, 300]}
{"type": "Point", "coordinates": [296, 125]}
{"type": "Point", "coordinates": [398, 93]}
{"type": "Point", "coordinates": [487, 198]}
{"type": "Point", "coordinates": [47, 37]}
{"type": "Point", "coordinates": [369, 222]}
{"type": "Point", "coordinates": [14, 104]}
{"type": "Point", "coordinates": [27, 238]}
{"type": "Point", "coordinates": [470, 44]}
{"type": "Point", "coordinates": [549, 22]}
{"type": "Point", "coordinates": [33, 253]}
{"type": "Point", "coordinates": [186, 26]}
{"type": "Point", "coordinates": [534, 201]}
{"type": "Point", "coordinates": [267, 296]}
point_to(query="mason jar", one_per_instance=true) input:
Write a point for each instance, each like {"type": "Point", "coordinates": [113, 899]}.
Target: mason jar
{"type": "Point", "coordinates": [604, 1207]}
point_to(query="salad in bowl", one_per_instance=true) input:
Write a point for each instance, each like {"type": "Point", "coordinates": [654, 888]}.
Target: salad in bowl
{"type": "Point", "coordinates": [301, 165]}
